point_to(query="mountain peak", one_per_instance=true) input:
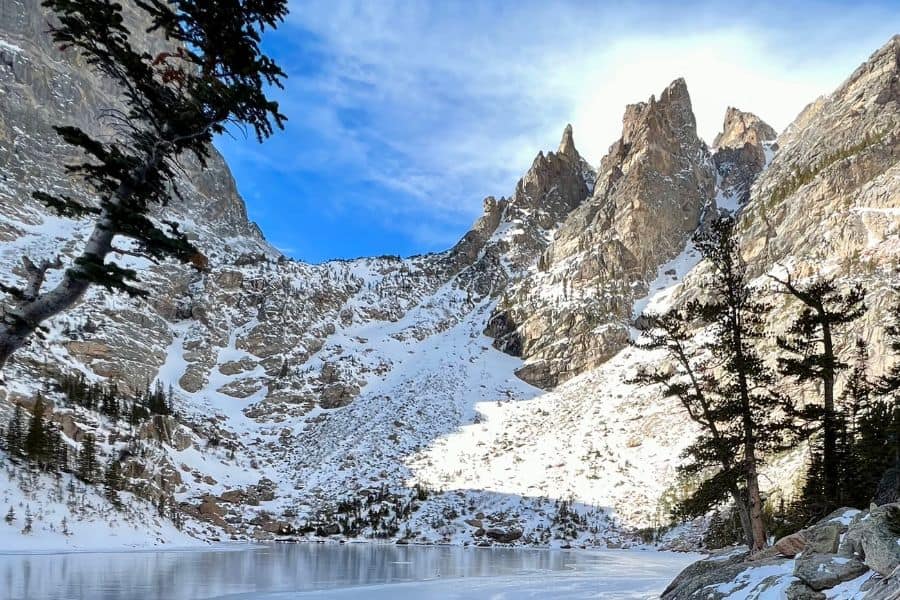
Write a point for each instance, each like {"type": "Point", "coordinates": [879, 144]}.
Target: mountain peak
{"type": "Point", "coordinates": [567, 144]}
{"type": "Point", "coordinates": [742, 127]}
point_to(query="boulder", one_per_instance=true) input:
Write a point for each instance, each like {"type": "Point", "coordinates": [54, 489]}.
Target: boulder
{"type": "Point", "coordinates": [798, 590]}
{"type": "Point", "coordinates": [887, 588]}
{"type": "Point", "coordinates": [165, 430]}
{"type": "Point", "coordinates": [504, 536]}
{"type": "Point", "coordinates": [699, 579]}
{"type": "Point", "coordinates": [232, 496]}
{"type": "Point", "coordinates": [824, 571]}
{"type": "Point", "coordinates": [210, 507]}
{"type": "Point", "coordinates": [791, 545]}
{"type": "Point", "coordinates": [824, 539]}
{"type": "Point", "coordinates": [265, 489]}
{"type": "Point", "coordinates": [874, 539]}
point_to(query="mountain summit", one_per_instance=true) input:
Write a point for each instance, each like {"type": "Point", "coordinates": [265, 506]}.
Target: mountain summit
{"type": "Point", "coordinates": [478, 395]}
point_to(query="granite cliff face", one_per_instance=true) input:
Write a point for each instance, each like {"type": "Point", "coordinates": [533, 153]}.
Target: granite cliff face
{"type": "Point", "coordinates": [743, 149]}
{"type": "Point", "coordinates": [301, 388]}
{"type": "Point", "coordinates": [652, 189]}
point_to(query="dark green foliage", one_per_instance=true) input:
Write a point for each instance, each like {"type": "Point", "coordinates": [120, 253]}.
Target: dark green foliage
{"type": "Point", "coordinates": [374, 514]}
{"type": "Point", "coordinates": [15, 433]}
{"type": "Point", "coordinates": [111, 402]}
{"type": "Point", "coordinates": [212, 76]}
{"type": "Point", "coordinates": [113, 481]}
{"type": "Point", "coordinates": [868, 419]}
{"type": "Point", "coordinates": [889, 383]}
{"type": "Point", "coordinates": [41, 443]}
{"type": "Point", "coordinates": [809, 354]}
{"type": "Point", "coordinates": [36, 442]}
{"type": "Point", "coordinates": [157, 401]}
{"type": "Point", "coordinates": [723, 385]}
{"type": "Point", "coordinates": [724, 529]}
{"type": "Point", "coordinates": [88, 466]}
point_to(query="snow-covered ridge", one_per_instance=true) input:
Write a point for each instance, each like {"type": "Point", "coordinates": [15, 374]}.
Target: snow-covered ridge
{"type": "Point", "coordinates": [304, 391]}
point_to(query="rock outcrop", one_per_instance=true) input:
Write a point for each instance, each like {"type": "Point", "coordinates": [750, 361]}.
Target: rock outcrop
{"type": "Point", "coordinates": [649, 196]}
{"type": "Point", "coordinates": [741, 151]}
{"type": "Point", "coordinates": [865, 565]}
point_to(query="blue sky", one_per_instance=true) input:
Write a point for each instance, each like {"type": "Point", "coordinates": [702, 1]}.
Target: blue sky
{"type": "Point", "coordinates": [404, 114]}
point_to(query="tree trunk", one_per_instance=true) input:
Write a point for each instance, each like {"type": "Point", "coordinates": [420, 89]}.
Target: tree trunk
{"type": "Point", "coordinates": [829, 419]}
{"type": "Point", "coordinates": [19, 323]}
{"type": "Point", "coordinates": [757, 524]}
{"type": "Point", "coordinates": [754, 498]}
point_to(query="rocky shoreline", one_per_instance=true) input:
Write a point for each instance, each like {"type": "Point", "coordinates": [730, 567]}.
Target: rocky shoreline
{"type": "Point", "coordinates": [848, 554]}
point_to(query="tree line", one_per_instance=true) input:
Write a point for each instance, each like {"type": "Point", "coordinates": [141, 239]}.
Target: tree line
{"type": "Point", "coordinates": [41, 443]}
{"type": "Point", "coordinates": [741, 403]}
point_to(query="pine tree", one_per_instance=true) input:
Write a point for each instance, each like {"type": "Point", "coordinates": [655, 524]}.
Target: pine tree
{"type": "Point", "coordinates": [29, 521]}
{"type": "Point", "coordinates": [855, 404]}
{"type": "Point", "coordinates": [739, 392]}
{"type": "Point", "coordinates": [36, 447]}
{"type": "Point", "coordinates": [888, 386]}
{"type": "Point", "coordinates": [112, 482]}
{"type": "Point", "coordinates": [15, 433]}
{"type": "Point", "coordinates": [810, 355]}
{"type": "Point", "coordinates": [59, 450]}
{"type": "Point", "coordinates": [87, 459]}
{"type": "Point", "coordinates": [714, 454]}
{"type": "Point", "coordinates": [10, 516]}
{"type": "Point", "coordinates": [176, 101]}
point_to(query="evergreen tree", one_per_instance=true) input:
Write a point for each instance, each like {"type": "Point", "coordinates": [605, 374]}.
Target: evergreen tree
{"type": "Point", "coordinates": [29, 521]}
{"type": "Point", "coordinates": [87, 459]}
{"type": "Point", "coordinates": [112, 481]}
{"type": "Point", "coordinates": [810, 355]}
{"type": "Point", "coordinates": [854, 406]}
{"type": "Point", "coordinates": [10, 516]}
{"type": "Point", "coordinates": [214, 75]}
{"type": "Point", "coordinates": [889, 383]}
{"type": "Point", "coordinates": [15, 433]}
{"type": "Point", "coordinates": [737, 390]}
{"type": "Point", "coordinates": [109, 403]}
{"type": "Point", "coordinates": [59, 450]}
{"type": "Point", "coordinates": [888, 386]}
{"type": "Point", "coordinates": [36, 446]}
{"type": "Point", "coordinates": [714, 454]}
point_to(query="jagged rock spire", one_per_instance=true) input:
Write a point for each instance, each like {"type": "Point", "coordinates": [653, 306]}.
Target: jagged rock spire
{"type": "Point", "coordinates": [567, 144]}
{"type": "Point", "coordinates": [741, 128]}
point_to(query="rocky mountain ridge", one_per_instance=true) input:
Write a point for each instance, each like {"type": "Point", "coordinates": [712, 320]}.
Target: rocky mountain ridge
{"type": "Point", "coordinates": [402, 398]}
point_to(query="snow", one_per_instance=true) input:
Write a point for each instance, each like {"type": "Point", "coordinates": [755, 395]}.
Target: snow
{"type": "Point", "coordinates": [91, 522]}
{"type": "Point", "coordinates": [4, 45]}
{"type": "Point", "coordinates": [668, 276]}
{"type": "Point", "coordinates": [846, 517]}
{"type": "Point", "coordinates": [747, 585]}
{"type": "Point", "coordinates": [849, 590]}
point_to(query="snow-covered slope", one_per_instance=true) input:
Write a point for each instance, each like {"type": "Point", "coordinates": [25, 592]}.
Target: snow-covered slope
{"type": "Point", "coordinates": [387, 397]}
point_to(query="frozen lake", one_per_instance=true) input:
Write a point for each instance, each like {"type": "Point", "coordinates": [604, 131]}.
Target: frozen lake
{"type": "Point", "coordinates": [280, 572]}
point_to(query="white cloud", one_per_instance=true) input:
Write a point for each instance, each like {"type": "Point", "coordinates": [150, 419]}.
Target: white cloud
{"type": "Point", "coordinates": [447, 102]}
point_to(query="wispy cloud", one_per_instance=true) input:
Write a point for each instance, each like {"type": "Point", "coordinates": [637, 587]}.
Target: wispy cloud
{"type": "Point", "coordinates": [413, 111]}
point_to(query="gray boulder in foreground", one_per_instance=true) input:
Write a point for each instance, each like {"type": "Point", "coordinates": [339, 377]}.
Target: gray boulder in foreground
{"type": "Point", "coordinates": [858, 550]}
{"type": "Point", "coordinates": [873, 539]}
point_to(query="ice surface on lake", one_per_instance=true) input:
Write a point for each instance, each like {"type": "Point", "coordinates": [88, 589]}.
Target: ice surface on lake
{"type": "Point", "coordinates": [370, 571]}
